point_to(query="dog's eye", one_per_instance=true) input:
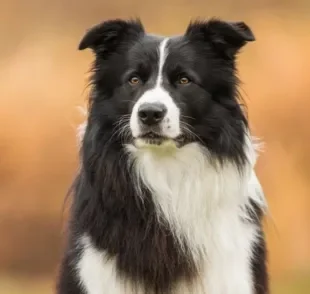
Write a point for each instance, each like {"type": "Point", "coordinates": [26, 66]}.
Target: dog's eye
{"type": "Point", "coordinates": [183, 80]}
{"type": "Point", "coordinates": [134, 80]}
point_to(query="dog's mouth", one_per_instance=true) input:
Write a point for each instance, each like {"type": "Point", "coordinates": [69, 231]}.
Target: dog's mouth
{"type": "Point", "coordinates": [153, 138]}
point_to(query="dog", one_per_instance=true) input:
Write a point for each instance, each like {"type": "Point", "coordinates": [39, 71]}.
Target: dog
{"type": "Point", "coordinates": [166, 199]}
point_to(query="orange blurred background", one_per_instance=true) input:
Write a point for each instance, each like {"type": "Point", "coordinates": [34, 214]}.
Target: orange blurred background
{"type": "Point", "coordinates": [43, 80]}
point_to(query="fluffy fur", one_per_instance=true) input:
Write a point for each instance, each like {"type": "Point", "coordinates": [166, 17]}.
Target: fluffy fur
{"type": "Point", "coordinates": [166, 200]}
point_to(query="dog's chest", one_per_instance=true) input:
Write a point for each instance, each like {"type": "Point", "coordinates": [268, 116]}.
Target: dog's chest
{"type": "Point", "coordinates": [225, 270]}
{"type": "Point", "coordinates": [201, 205]}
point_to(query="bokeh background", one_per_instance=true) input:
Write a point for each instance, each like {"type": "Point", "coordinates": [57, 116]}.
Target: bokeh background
{"type": "Point", "coordinates": [43, 80]}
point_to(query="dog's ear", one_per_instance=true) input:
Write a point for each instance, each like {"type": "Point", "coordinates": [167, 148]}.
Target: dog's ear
{"type": "Point", "coordinates": [226, 37]}
{"type": "Point", "coordinates": [107, 35]}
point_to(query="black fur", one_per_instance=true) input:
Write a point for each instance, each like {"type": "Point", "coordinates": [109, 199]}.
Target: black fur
{"type": "Point", "coordinates": [259, 266]}
{"type": "Point", "coordinates": [106, 204]}
{"type": "Point", "coordinates": [259, 261]}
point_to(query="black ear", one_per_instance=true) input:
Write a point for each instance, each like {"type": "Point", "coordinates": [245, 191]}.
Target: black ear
{"type": "Point", "coordinates": [227, 37]}
{"type": "Point", "coordinates": [106, 35]}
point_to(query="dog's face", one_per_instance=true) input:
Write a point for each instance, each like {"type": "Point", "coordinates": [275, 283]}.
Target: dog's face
{"type": "Point", "coordinates": [151, 90]}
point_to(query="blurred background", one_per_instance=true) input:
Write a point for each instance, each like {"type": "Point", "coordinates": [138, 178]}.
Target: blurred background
{"type": "Point", "coordinates": [43, 80]}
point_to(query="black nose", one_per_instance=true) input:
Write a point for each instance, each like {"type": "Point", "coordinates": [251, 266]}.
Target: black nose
{"type": "Point", "coordinates": [152, 113]}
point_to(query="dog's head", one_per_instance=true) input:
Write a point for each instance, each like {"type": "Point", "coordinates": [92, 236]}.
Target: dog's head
{"type": "Point", "coordinates": [150, 90]}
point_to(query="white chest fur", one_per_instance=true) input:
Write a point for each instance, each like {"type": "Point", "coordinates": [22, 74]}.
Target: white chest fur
{"type": "Point", "coordinates": [202, 204]}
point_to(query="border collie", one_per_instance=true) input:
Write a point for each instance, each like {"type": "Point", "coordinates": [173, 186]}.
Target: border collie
{"type": "Point", "coordinates": [166, 199]}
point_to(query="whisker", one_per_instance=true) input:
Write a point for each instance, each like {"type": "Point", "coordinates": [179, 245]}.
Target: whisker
{"type": "Point", "coordinates": [186, 116]}
{"type": "Point", "coordinates": [187, 128]}
{"type": "Point", "coordinates": [121, 128]}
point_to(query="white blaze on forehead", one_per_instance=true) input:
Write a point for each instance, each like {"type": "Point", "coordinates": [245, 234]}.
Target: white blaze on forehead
{"type": "Point", "coordinates": [163, 52]}
{"type": "Point", "coordinates": [170, 126]}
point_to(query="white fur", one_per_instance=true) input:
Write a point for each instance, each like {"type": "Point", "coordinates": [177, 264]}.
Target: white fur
{"type": "Point", "coordinates": [170, 126]}
{"type": "Point", "coordinates": [82, 127]}
{"type": "Point", "coordinates": [81, 132]}
{"type": "Point", "coordinates": [97, 273]}
{"type": "Point", "coordinates": [202, 202]}
{"type": "Point", "coordinates": [163, 53]}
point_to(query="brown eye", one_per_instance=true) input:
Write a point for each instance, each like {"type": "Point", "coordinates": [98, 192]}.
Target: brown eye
{"type": "Point", "coordinates": [184, 80]}
{"type": "Point", "coordinates": [134, 80]}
